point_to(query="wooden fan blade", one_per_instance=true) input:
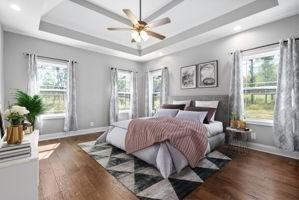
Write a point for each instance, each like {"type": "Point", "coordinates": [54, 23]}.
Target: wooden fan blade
{"type": "Point", "coordinates": [159, 22]}
{"type": "Point", "coordinates": [119, 29]}
{"type": "Point", "coordinates": [131, 16]}
{"type": "Point", "coordinates": [156, 35]}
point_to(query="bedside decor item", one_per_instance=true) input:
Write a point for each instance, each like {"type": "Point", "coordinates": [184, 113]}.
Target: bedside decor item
{"type": "Point", "coordinates": [33, 104]}
{"type": "Point", "coordinates": [208, 74]}
{"type": "Point", "coordinates": [241, 124]}
{"type": "Point", "coordinates": [233, 121]}
{"type": "Point", "coordinates": [188, 77]}
{"type": "Point", "coordinates": [15, 115]}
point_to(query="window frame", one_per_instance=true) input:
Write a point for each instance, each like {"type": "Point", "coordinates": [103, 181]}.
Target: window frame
{"type": "Point", "coordinates": [49, 116]}
{"type": "Point", "coordinates": [258, 53]}
{"type": "Point", "coordinates": [151, 87]}
{"type": "Point", "coordinates": [125, 93]}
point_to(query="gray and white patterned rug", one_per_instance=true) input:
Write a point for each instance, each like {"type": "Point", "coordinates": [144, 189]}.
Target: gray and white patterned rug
{"type": "Point", "coordinates": [144, 180]}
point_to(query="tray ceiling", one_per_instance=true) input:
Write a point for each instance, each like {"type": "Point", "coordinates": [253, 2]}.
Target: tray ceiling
{"type": "Point", "coordinates": [84, 23]}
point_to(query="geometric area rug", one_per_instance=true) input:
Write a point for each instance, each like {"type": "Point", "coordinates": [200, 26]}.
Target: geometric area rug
{"type": "Point", "coordinates": [144, 180]}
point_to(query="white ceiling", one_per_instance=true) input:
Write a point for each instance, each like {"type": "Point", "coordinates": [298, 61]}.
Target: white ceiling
{"type": "Point", "coordinates": [83, 24]}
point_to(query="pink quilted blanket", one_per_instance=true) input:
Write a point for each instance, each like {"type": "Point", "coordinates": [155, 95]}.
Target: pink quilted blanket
{"type": "Point", "coordinates": [190, 138]}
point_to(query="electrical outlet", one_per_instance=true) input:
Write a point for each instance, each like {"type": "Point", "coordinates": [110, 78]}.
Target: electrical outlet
{"type": "Point", "coordinates": [253, 135]}
{"type": "Point", "coordinates": [91, 124]}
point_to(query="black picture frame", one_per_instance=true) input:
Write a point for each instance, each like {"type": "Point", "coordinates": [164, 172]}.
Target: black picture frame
{"type": "Point", "coordinates": [207, 82]}
{"type": "Point", "coordinates": [184, 84]}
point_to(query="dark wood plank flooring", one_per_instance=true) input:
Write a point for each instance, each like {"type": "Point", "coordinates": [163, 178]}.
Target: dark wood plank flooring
{"type": "Point", "coordinates": [67, 172]}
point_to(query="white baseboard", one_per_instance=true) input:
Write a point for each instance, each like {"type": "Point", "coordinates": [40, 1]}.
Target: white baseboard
{"type": "Point", "coordinates": [273, 150]}
{"type": "Point", "coordinates": [58, 135]}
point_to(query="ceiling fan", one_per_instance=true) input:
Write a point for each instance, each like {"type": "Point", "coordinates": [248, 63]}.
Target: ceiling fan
{"type": "Point", "coordinates": [141, 29]}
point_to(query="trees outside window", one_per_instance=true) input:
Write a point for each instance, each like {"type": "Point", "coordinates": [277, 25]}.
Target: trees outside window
{"type": "Point", "coordinates": [52, 81]}
{"type": "Point", "coordinates": [260, 79]}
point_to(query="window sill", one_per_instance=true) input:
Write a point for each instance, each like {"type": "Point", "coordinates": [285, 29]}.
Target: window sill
{"type": "Point", "coordinates": [259, 122]}
{"type": "Point", "coordinates": [124, 111]}
{"type": "Point", "coordinates": [53, 116]}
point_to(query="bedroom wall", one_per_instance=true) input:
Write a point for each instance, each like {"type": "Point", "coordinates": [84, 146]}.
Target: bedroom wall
{"type": "Point", "coordinates": [220, 50]}
{"type": "Point", "coordinates": [1, 70]}
{"type": "Point", "coordinates": [93, 77]}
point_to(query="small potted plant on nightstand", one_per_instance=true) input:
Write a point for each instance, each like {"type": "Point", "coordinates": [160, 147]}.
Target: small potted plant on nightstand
{"type": "Point", "coordinates": [34, 104]}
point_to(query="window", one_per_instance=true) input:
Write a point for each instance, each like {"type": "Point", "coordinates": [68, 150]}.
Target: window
{"type": "Point", "coordinates": [155, 89]}
{"type": "Point", "coordinates": [124, 91]}
{"type": "Point", "coordinates": [52, 81]}
{"type": "Point", "coordinates": [260, 79]}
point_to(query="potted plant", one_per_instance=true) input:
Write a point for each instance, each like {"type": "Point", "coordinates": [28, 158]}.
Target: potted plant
{"type": "Point", "coordinates": [15, 115]}
{"type": "Point", "coordinates": [33, 103]}
{"type": "Point", "coordinates": [234, 122]}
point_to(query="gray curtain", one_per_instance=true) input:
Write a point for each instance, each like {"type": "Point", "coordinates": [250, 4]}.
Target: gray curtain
{"type": "Point", "coordinates": [71, 122]}
{"type": "Point", "coordinates": [147, 106]}
{"type": "Point", "coordinates": [164, 86]}
{"type": "Point", "coordinates": [134, 100]}
{"type": "Point", "coordinates": [114, 97]}
{"type": "Point", "coordinates": [32, 85]}
{"type": "Point", "coordinates": [236, 100]}
{"type": "Point", "coordinates": [286, 113]}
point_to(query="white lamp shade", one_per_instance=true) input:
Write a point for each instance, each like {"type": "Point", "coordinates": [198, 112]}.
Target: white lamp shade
{"type": "Point", "coordinates": [135, 35]}
{"type": "Point", "coordinates": [144, 35]}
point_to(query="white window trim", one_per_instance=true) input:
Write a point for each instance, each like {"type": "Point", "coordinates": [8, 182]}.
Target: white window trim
{"type": "Point", "coordinates": [259, 122]}
{"type": "Point", "coordinates": [151, 93]}
{"type": "Point", "coordinates": [125, 93]}
{"type": "Point", "coordinates": [53, 116]}
{"type": "Point", "coordinates": [252, 55]}
{"type": "Point", "coordinates": [62, 65]}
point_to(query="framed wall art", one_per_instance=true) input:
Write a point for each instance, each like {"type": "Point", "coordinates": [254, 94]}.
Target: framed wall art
{"type": "Point", "coordinates": [207, 74]}
{"type": "Point", "coordinates": [188, 77]}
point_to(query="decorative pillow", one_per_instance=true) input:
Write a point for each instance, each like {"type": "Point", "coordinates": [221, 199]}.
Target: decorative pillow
{"type": "Point", "coordinates": [173, 106]}
{"type": "Point", "coordinates": [186, 102]}
{"type": "Point", "coordinates": [192, 116]}
{"type": "Point", "coordinates": [210, 104]}
{"type": "Point", "coordinates": [211, 112]}
{"type": "Point", "coordinates": [166, 112]}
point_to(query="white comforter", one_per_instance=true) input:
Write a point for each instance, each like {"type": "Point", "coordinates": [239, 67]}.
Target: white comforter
{"type": "Point", "coordinates": [163, 156]}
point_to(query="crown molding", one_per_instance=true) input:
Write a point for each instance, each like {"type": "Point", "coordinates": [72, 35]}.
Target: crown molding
{"type": "Point", "coordinates": [62, 31]}
{"type": "Point", "coordinates": [240, 13]}
{"type": "Point", "coordinates": [102, 11]}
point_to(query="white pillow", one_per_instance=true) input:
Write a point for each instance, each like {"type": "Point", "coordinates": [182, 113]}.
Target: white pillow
{"type": "Point", "coordinates": [186, 102]}
{"type": "Point", "coordinates": [166, 112]}
{"type": "Point", "coordinates": [210, 104]}
{"type": "Point", "coordinates": [191, 115]}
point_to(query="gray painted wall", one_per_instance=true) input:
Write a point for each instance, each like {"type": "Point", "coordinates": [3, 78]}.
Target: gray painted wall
{"type": "Point", "coordinates": [1, 70]}
{"type": "Point", "coordinates": [220, 50]}
{"type": "Point", "coordinates": [93, 77]}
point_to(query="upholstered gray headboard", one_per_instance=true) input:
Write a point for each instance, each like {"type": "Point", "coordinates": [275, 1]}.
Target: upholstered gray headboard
{"type": "Point", "coordinates": [222, 113]}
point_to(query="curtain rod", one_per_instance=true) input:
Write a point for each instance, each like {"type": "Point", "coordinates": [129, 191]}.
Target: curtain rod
{"type": "Point", "coordinates": [258, 47]}
{"type": "Point", "coordinates": [122, 69]}
{"type": "Point", "coordinates": [157, 69]}
{"type": "Point", "coordinates": [51, 58]}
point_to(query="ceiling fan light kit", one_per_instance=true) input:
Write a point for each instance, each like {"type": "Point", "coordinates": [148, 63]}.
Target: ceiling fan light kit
{"type": "Point", "coordinates": [141, 29]}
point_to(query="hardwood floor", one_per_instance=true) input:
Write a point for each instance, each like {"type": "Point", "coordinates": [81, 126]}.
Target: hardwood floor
{"type": "Point", "coordinates": [66, 172]}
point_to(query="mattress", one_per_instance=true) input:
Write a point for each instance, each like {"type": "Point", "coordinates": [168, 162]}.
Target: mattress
{"type": "Point", "coordinates": [117, 138]}
{"type": "Point", "coordinates": [214, 128]}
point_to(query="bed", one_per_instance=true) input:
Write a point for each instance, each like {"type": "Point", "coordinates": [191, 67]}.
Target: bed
{"type": "Point", "coordinates": [165, 157]}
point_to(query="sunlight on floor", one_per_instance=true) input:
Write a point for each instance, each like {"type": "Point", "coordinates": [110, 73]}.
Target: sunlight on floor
{"type": "Point", "coordinates": [45, 151]}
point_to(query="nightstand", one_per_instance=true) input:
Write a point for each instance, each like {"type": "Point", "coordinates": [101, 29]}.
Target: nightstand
{"type": "Point", "coordinates": [238, 139]}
